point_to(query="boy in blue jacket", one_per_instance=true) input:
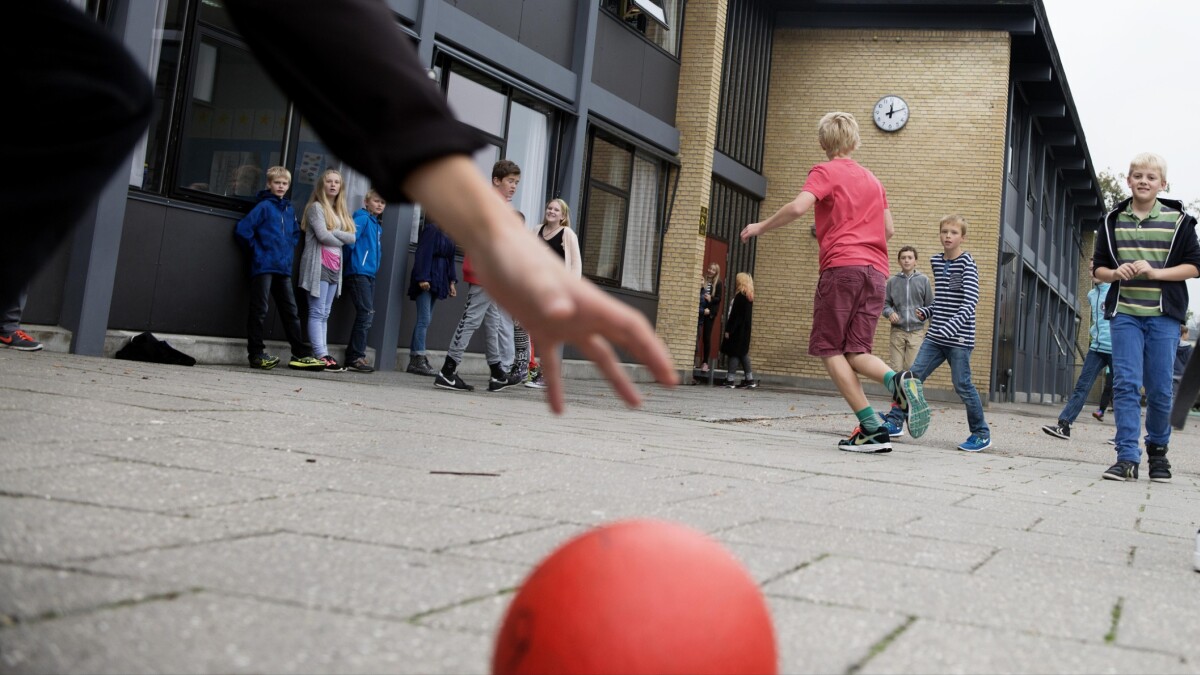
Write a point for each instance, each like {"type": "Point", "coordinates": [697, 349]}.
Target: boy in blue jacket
{"type": "Point", "coordinates": [1099, 357]}
{"type": "Point", "coordinates": [270, 233]}
{"type": "Point", "coordinates": [362, 263]}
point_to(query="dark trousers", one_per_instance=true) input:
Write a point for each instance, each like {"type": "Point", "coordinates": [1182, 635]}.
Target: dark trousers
{"type": "Point", "coordinates": [706, 325]}
{"type": "Point", "coordinates": [262, 288]}
{"type": "Point", "coordinates": [362, 293]}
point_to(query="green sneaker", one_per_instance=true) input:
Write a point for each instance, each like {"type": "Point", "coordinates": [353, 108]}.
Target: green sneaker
{"type": "Point", "coordinates": [264, 361]}
{"type": "Point", "coordinates": [910, 396]}
{"type": "Point", "coordinates": [306, 363]}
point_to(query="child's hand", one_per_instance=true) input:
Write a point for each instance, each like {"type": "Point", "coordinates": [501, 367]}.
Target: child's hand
{"type": "Point", "coordinates": [894, 317]}
{"type": "Point", "coordinates": [751, 230]}
{"type": "Point", "coordinates": [920, 314]}
{"type": "Point", "coordinates": [423, 285]}
{"type": "Point", "coordinates": [453, 290]}
{"type": "Point", "coordinates": [532, 283]}
{"type": "Point", "coordinates": [1127, 271]}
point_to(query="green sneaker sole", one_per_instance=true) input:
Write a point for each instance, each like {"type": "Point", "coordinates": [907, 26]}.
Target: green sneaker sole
{"type": "Point", "coordinates": [918, 409]}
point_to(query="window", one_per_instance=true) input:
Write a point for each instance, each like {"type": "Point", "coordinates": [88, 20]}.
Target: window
{"type": "Point", "coordinates": [658, 20]}
{"type": "Point", "coordinates": [520, 129]}
{"type": "Point", "coordinates": [624, 213]}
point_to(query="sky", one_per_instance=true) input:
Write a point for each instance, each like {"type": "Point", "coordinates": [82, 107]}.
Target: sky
{"type": "Point", "coordinates": [1133, 71]}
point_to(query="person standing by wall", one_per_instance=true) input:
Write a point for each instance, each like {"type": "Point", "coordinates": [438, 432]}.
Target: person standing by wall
{"type": "Point", "coordinates": [907, 290]}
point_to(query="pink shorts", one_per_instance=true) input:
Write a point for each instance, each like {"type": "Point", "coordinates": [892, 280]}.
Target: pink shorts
{"type": "Point", "coordinates": [846, 311]}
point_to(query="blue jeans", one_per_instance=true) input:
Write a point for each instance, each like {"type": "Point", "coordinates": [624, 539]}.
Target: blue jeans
{"type": "Point", "coordinates": [318, 318]}
{"type": "Point", "coordinates": [1093, 366]}
{"type": "Point", "coordinates": [362, 293]}
{"type": "Point", "coordinates": [425, 302]}
{"type": "Point", "coordinates": [929, 357]}
{"type": "Point", "coordinates": [1143, 355]}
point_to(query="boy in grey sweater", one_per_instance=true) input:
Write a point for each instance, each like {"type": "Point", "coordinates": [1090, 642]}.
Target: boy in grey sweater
{"type": "Point", "coordinates": [907, 290]}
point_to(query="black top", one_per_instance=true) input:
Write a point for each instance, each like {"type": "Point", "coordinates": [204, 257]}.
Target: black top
{"type": "Point", "coordinates": [741, 316]}
{"type": "Point", "coordinates": [555, 242]}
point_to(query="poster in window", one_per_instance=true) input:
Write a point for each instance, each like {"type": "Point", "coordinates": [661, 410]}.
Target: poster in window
{"type": "Point", "coordinates": [243, 123]}
{"type": "Point", "coordinates": [222, 125]}
{"type": "Point", "coordinates": [310, 168]}
{"type": "Point", "coordinates": [264, 125]}
{"type": "Point", "coordinates": [202, 122]}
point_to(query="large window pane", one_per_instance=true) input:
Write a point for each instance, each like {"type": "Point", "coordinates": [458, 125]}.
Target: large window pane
{"type": "Point", "coordinates": [529, 147]}
{"type": "Point", "coordinates": [235, 124]}
{"type": "Point", "coordinates": [149, 157]}
{"type": "Point", "coordinates": [610, 164]}
{"type": "Point", "coordinates": [605, 232]}
{"type": "Point", "coordinates": [477, 102]}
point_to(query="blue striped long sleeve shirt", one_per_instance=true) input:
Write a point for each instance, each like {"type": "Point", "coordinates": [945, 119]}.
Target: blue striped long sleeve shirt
{"type": "Point", "coordinates": [956, 293]}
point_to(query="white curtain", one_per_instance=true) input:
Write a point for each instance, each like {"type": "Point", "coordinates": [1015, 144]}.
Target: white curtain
{"type": "Point", "coordinates": [641, 242]}
{"type": "Point", "coordinates": [529, 147]}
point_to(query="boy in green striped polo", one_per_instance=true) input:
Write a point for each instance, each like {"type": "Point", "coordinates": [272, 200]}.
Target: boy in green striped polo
{"type": "Point", "coordinates": [1147, 249]}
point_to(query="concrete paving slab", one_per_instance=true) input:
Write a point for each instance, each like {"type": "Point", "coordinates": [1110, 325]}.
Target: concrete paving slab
{"type": "Point", "coordinates": [33, 594]}
{"type": "Point", "coordinates": [824, 639]}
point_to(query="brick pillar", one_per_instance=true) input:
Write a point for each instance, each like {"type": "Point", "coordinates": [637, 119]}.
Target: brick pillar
{"type": "Point", "coordinates": [701, 56]}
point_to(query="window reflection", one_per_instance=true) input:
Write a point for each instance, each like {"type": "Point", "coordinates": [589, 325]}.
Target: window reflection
{"type": "Point", "coordinates": [477, 103]}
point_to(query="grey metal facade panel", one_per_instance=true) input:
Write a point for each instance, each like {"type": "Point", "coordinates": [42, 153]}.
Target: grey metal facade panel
{"type": "Point", "coordinates": [737, 174]}
{"type": "Point", "coordinates": [502, 16]}
{"type": "Point", "coordinates": [660, 84]}
{"type": "Point", "coordinates": [634, 120]}
{"type": "Point", "coordinates": [472, 35]}
{"type": "Point", "coordinates": [547, 27]}
{"type": "Point", "coordinates": [407, 9]}
{"type": "Point", "coordinates": [138, 264]}
{"type": "Point", "coordinates": [46, 290]}
{"type": "Point", "coordinates": [617, 65]}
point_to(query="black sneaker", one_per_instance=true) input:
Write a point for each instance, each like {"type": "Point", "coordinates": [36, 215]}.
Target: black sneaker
{"type": "Point", "coordinates": [747, 384]}
{"type": "Point", "coordinates": [1160, 467]}
{"type": "Point", "coordinates": [452, 382]}
{"type": "Point", "coordinates": [509, 380]}
{"type": "Point", "coordinates": [1122, 470]}
{"type": "Point", "coordinates": [910, 397]}
{"type": "Point", "coordinates": [860, 441]}
{"type": "Point", "coordinates": [360, 365]}
{"type": "Point", "coordinates": [1061, 430]}
{"type": "Point", "coordinates": [729, 384]}
{"type": "Point", "coordinates": [306, 363]}
{"type": "Point", "coordinates": [264, 361]}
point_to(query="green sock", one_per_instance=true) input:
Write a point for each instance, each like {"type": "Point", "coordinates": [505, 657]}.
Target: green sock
{"type": "Point", "coordinates": [867, 419]}
{"type": "Point", "coordinates": [889, 380]}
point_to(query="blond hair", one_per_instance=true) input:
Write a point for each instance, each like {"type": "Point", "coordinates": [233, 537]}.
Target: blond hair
{"type": "Point", "coordinates": [562, 206]}
{"type": "Point", "coordinates": [372, 192]}
{"type": "Point", "coordinates": [744, 284]}
{"type": "Point", "coordinates": [837, 132]}
{"type": "Point", "coordinates": [954, 219]}
{"type": "Point", "coordinates": [278, 172]}
{"type": "Point", "coordinates": [335, 211]}
{"type": "Point", "coordinates": [1149, 160]}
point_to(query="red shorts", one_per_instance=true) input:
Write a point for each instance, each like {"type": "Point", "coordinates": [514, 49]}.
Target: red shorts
{"type": "Point", "coordinates": [846, 311]}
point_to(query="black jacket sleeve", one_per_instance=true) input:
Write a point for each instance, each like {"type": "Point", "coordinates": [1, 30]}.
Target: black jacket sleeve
{"type": "Point", "coordinates": [355, 76]}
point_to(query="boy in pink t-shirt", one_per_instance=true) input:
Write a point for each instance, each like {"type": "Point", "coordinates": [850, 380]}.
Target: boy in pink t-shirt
{"type": "Point", "coordinates": [853, 224]}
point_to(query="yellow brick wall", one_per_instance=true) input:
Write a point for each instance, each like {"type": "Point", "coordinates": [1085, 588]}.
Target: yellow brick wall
{"type": "Point", "coordinates": [948, 159]}
{"type": "Point", "coordinates": [696, 119]}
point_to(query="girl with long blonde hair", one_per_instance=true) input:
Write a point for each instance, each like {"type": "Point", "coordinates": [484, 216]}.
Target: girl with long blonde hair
{"type": "Point", "coordinates": [736, 344]}
{"type": "Point", "coordinates": [327, 226]}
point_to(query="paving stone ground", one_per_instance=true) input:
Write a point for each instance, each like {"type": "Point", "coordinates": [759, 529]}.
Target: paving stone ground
{"type": "Point", "coordinates": [167, 519]}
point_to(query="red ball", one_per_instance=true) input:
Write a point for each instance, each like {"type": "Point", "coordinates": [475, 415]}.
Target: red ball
{"type": "Point", "coordinates": [637, 596]}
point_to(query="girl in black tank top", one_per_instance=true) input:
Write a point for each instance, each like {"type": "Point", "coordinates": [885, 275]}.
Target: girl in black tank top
{"type": "Point", "coordinates": [555, 242]}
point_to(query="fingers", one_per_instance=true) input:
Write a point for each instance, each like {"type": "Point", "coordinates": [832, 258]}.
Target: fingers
{"type": "Point", "coordinates": [552, 374]}
{"type": "Point", "coordinates": [601, 353]}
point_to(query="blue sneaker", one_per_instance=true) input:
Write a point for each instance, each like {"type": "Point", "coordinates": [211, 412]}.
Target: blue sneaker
{"type": "Point", "coordinates": [910, 397]}
{"type": "Point", "coordinates": [894, 430]}
{"type": "Point", "coordinates": [976, 443]}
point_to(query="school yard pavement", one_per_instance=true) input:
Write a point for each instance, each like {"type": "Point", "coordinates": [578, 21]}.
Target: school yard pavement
{"type": "Point", "coordinates": [217, 519]}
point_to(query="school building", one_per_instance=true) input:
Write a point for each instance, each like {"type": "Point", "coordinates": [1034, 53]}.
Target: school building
{"type": "Point", "coordinates": [666, 125]}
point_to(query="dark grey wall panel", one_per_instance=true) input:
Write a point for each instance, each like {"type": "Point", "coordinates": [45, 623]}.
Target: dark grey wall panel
{"type": "Point", "coordinates": [138, 263]}
{"type": "Point", "coordinates": [407, 9]}
{"type": "Point", "coordinates": [660, 84]}
{"type": "Point", "coordinates": [618, 60]}
{"type": "Point", "coordinates": [46, 289]}
{"type": "Point", "coordinates": [201, 286]}
{"type": "Point", "coordinates": [501, 15]}
{"type": "Point", "coordinates": [547, 27]}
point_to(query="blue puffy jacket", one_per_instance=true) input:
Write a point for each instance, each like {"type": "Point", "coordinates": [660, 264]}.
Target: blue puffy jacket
{"type": "Point", "coordinates": [362, 257]}
{"type": "Point", "coordinates": [1101, 342]}
{"type": "Point", "coordinates": [270, 232]}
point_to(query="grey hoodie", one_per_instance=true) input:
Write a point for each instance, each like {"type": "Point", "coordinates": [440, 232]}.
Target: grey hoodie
{"type": "Point", "coordinates": [904, 295]}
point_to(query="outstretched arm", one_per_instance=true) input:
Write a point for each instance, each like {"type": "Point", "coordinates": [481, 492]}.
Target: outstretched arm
{"type": "Point", "coordinates": [786, 214]}
{"type": "Point", "coordinates": [529, 281]}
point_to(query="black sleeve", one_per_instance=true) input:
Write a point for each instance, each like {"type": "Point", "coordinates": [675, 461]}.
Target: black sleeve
{"type": "Point", "coordinates": [356, 78]}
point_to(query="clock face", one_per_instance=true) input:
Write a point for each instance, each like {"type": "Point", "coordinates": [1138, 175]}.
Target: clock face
{"type": "Point", "coordinates": [891, 113]}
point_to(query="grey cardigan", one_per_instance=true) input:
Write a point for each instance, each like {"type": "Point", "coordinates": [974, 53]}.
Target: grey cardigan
{"type": "Point", "coordinates": [316, 237]}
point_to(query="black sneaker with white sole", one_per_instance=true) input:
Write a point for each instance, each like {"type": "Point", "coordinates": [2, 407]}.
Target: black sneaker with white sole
{"type": "Point", "coordinates": [1061, 430]}
{"type": "Point", "coordinates": [452, 382]}
{"type": "Point", "coordinates": [1160, 467]}
{"type": "Point", "coordinates": [509, 380]}
{"type": "Point", "coordinates": [861, 441]}
{"type": "Point", "coordinates": [1122, 470]}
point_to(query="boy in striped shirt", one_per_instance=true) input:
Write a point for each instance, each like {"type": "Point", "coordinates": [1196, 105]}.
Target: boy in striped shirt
{"type": "Point", "coordinates": [1147, 249]}
{"type": "Point", "coordinates": [951, 335]}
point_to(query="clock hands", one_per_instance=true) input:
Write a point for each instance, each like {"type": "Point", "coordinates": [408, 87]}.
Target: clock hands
{"type": "Point", "coordinates": [892, 109]}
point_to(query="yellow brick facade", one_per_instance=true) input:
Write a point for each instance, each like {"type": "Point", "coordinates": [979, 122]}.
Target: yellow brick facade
{"type": "Point", "coordinates": [696, 119]}
{"type": "Point", "coordinates": [948, 159]}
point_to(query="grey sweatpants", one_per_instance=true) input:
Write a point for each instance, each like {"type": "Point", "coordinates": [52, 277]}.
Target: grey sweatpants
{"type": "Point", "coordinates": [499, 342]}
{"type": "Point", "coordinates": [10, 317]}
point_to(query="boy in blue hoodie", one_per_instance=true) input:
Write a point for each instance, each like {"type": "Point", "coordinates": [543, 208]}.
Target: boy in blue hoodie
{"type": "Point", "coordinates": [1098, 358]}
{"type": "Point", "coordinates": [270, 233]}
{"type": "Point", "coordinates": [362, 263]}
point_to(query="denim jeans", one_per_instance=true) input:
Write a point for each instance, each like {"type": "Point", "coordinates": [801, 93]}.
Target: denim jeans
{"type": "Point", "coordinates": [1143, 356]}
{"type": "Point", "coordinates": [929, 357]}
{"type": "Point", "coordinates": [318, 318]}
{"type": "Point", "coordinates": [425, 302]}
{"type": "Point", "coordinates": [1093, 366]}
{"type": "Point", "coordinates": [362, 293]}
